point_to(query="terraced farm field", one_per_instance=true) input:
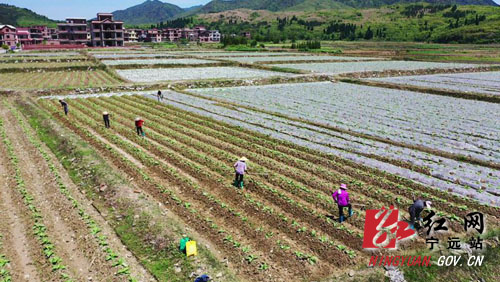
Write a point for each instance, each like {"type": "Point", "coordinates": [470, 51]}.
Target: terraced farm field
{"type": "Point", "coordinates": [483, 82]}
{"type": "Point", "coordinates": [44, 65]}
{"type": "Point", "coordinates": [42, 54]}
{"type": "Point", "coordinates": [404, 127]}
{"type": "Point", "coordinates": [33, 59]}
{"type": "Point", "coordinates": [131, 55]}
{"type": "Point", "coordinates": [56, 80]}
{"type": "Point", "coordinates": [241, 54]}
{"type": "Point", "coordinates": [350, 67]}
{"type": "Point", "coordinates": [157, 62]}
{"type": "Point", "coordinates": [286, 194]}
{"type": "Point", "coordinates": [172, 74]}
{"type": "Point", "coordinates": [277, 59]}
{"type": "Point", "coordinates": [83, 202]}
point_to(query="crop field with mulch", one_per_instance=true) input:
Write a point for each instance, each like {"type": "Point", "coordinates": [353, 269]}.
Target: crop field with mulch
{"type": "Point", "coordinates": [82, 202]}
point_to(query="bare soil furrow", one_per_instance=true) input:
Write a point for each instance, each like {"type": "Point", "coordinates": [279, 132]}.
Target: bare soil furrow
{"type": "Point", "coordinates": [216, 187]}
{"type": "Point", "coordinates": [71, 237]}
{"type": "Point", "coordinates": [137, 270]}
{"type": "Point", "coordinates": [269, 201]}
{"type": "Point", "coordinates": [330, 162]}
{"type": "Point", "coordinates": [197, 221]}
{"type": "Point", "coordinates": [22, 249]}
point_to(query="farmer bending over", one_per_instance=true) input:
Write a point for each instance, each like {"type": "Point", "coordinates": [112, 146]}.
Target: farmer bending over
{"type": "Point", "coordinates": [341, 197]}
{"type": "Point", "coordinates": [138, 126]}
{"type": "Point", "coordinates": [65, 106]}
{"type": "Point", "coordinates": [160, 96]}
{"type": "Point", "coordinates": [240, 167]}
{"type": "Point", "coordinates": [416, 209]}
{"type": "Point", "coordinates": [105, 116]}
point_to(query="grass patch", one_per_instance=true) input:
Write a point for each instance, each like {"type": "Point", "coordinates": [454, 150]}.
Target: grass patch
{"type": "Point", "coordinates": [161, 263]}
{"type": "Point", "coordinates": [243, 48]}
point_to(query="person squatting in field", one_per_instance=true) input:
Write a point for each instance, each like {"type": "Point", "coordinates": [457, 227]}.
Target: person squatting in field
{"type": "Point", "coordinates": [341, 197]}
{"type": "Point", "coordinates": [416, 209]}
{"type": "Point", "coordinates": [240, 168]}
{"type": "Point", "coordinates": [105, 117]}
{"type": "Point", "coordinates": [138, 126]}
{"type": "Point", "coordinates": [65, 106]}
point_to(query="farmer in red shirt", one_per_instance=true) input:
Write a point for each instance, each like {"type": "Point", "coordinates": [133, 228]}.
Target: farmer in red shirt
{"type": "Point", "coordinates": [341, 197]}
{"type": "Point", "coordinates": [138, 126]}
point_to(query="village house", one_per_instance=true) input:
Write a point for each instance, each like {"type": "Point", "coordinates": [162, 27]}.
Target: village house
{"type": "Point", "coordinates": [73, 31]}
{"type": "Point", "coordinates": [246, 34]}
{"type": "Point", "coordinates": [134, 35]}
{"type": "Point", "coordinates": [153, 35]}
{"type": "Point", "coordinates": [8, 36]}
{"type": "Point", "coordinates": [209, 36]}
{"type": "Point", "coordinates": [23, 36]}
{"type": "Point", "coordinates": [106, 32]}
{"type": "Point", "coordinates": [197, 34]}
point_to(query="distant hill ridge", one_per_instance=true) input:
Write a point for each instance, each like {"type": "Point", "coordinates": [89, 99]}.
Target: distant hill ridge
{"type": "Point", "coordinates": [280, 5]}
{"type": "Point", "coordinates": [22, 17]}
{"type": "Point", "coordinates": [151, 11]}
{"type": "Point", "coordinates": [154, 11]}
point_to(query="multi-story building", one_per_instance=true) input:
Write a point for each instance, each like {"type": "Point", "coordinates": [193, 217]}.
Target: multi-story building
{"type": "Point", "coordinates": [198, 33]}
{"type": "Point", "coordinates": [38, 34]}
{"type": "Point", "coordinates": [209, 36]}
{"type": "Point", "coordinates": [8, 35]}
{"type": "Point", "coordinates": [23, 36]}
{"type": "Point", "coordinates": [133, 35]}
{"type": "Point", "coordinates": [53, 34]}
{"type": "Point", "coordinates": [171, 34]}
{"type": "Point", "coordinates": [214, 36]}
{"type": "Point", "coordinates": [106, 32]}
{"type": "Point", "coordinates": [153, 35]}
{"type": "Point", "coordinates": [73, 31]}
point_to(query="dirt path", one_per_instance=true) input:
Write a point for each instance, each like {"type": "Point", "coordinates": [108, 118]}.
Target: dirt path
{"type": "Point", "coordinates": [18, 248]}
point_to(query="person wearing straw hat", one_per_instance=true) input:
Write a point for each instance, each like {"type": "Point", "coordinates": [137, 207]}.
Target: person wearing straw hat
{"type": "Point", "coordinates": [105, 116]}
{"type": "Point", "coordinates": [341, 197]}
{"type": "Point", "coordinates": [138, 126]}
{"type": "Point", "coordinates": [416, 209]}
{"type": "Point", "coordinates": [240, 168]}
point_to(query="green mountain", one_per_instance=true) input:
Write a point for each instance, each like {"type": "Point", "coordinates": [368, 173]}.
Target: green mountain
{"type": "Point", "coordinates": [151, 11]}
{"type": "Point", "coordinates": [378, 3]}
{"type": "Point", "coordinates": [22, 17]}
{"type": "Point", "coordinates": [271, 5]}
{"type": "Point", "coordinates": [419, 22]}
{"type": "Point", "coordinates": [280, 5]}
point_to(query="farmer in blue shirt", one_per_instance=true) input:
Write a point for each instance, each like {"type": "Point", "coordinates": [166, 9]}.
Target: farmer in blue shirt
{"type": "Point", "coordinates": [416, 209]}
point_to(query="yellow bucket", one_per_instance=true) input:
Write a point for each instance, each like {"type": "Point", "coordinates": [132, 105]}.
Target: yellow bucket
{"type": "Point", "coordinates": [191, 249]}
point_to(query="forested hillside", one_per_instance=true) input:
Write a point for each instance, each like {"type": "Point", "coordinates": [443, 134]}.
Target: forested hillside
{"type": "Point", "coordinates": [22, 17]}
{"type": "Point", "coordinates": [408, 22]}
